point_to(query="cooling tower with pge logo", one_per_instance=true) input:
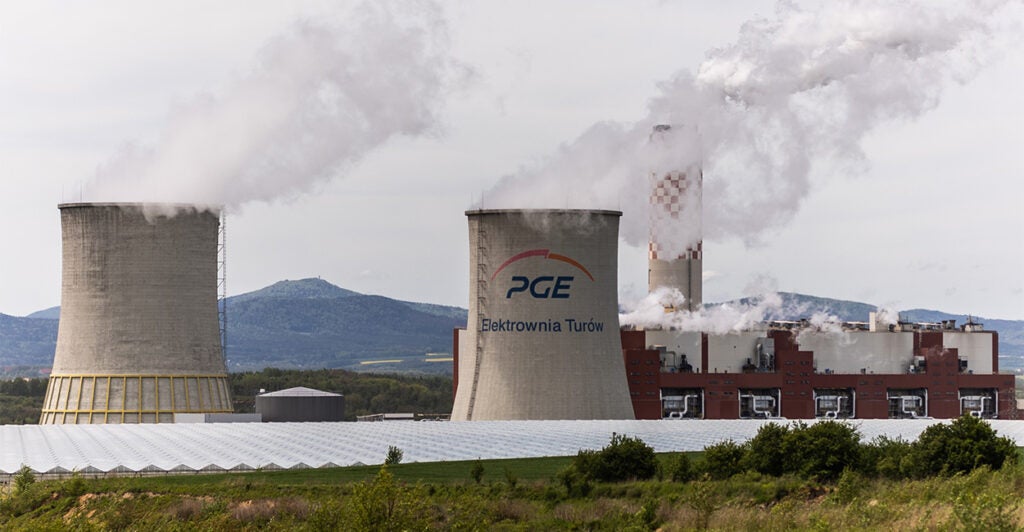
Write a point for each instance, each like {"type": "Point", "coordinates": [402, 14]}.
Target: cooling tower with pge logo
{"type": "Point", "coordinates": [139, 337]}
{"type": "Point", "coordinates": [542, 339]}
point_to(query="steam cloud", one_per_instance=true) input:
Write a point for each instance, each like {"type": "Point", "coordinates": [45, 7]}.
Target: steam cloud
{"type": "Point", "coordinates": [318, 99]}
{"type": "Point", "coordinates": [650, 313]}
{"type": "Point", "coordinates": [796, 90]}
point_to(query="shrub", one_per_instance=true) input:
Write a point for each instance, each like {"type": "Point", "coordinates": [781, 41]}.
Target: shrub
{"type": "Point", "coordinates": [576, 484]}
{"type": "Point", "coordinates": [74, 486]}
{"type": "Point", "coordinates": [822, 450]}
{"type": "Point", "coordinates": [958, 447]}
{"type": "Point", "coordinates": [765, 452]}
{"type": "Point", "coordinates": [23, 479]}
{"type": "Point", "coordinates": [510, 477]}
{"type": "Point", "coordinates": [884, 457]}
{"type": "Point", "coordinates": [624, 458]}
{"type": "Point", "coordinates": [850, 485]}
{"type": "Point", "coordinates": [986, 511]}
{"type": "Point", "coordinates": [680, 469]}
{"type": "Point", "coordinates": [724, 459]}
{"type": "Point", "coordinates": [383, 504]}
{"type": "Point", "coordinates": [704, 501]}
{"type": "Point", "coordinates": [394, 456]}
{"type": "Point", "coordinates": [477, 471]}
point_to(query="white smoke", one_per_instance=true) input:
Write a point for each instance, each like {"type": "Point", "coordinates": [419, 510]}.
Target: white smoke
{"type": "Point", "coordinates": [651, 313]}
{"type": "Point", "coordinates": [887, 316]}
{"type": "Point", "coordinates": [317, 100]}
{"type": "Point", "coordinates": [822, 324]}
{"type": "Point", "coordinates": [795, 91]}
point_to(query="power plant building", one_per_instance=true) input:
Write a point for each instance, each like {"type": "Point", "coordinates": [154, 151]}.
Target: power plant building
{"type": "Point", "coordinates": [139, 336]}
{"type": "Point", "coordinates": [542, 339]}
{"type": "Point", "coordinates": [785, 370]}
{"type": "Point", "coordinates": [870, 369]}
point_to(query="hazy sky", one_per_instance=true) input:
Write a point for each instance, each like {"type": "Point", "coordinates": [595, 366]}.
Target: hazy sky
{"type": "Point", "coordinates": [931, 217]}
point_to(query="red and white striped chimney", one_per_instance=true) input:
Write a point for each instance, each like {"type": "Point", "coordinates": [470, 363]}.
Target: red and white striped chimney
{"type": "Point", "coordinates": [676, 233]}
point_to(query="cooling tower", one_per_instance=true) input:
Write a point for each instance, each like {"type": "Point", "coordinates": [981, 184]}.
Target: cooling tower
{"type": "Point", "coordinates": [138, 339]}
{"type": "Point", "coordinates": [676, 213]}
{"type": "Point", "coordinates": [542, 340]}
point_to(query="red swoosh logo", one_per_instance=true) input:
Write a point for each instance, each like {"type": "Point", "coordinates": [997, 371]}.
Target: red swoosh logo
{"type": "Point", "coordinates": [542, 253]}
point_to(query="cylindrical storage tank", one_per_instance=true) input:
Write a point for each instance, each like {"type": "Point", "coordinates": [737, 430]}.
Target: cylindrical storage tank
{"type": "Point", "coordinates": [543, 330]}
{"type": "Point", "coordinates": [300, 404]}
{"type": "Point", "coordinates": [139, 336]}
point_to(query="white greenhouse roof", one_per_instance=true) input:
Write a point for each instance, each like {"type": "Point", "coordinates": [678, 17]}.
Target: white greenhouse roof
{"type": "Point", "coordinates": [95, 449]}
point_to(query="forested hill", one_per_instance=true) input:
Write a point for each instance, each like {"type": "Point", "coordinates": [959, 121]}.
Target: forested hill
{"type": "Point", "coordinates": [21, 400]}
{"type": "Point", "coordinates": [313, 324]}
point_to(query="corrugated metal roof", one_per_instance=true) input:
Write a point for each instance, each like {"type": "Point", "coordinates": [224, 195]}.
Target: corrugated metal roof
{"type": "Point", "coordinates": [245, 446]}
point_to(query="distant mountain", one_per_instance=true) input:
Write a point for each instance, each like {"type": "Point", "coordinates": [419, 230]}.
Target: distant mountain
{"type": "Point", "coordinates": [301, 289]}
{"type": "Point", "coordinates": [795, 306]}
{"type": "Point", "coordinates": [26, 341]}
{"type": "Point", "coordinates": [311, 323]}
{"type": "Point", "coordinates": [52, 313]}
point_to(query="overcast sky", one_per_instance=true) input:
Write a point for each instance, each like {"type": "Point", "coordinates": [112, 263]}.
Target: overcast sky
{"type": "Point", "coordinates": [933, 218]}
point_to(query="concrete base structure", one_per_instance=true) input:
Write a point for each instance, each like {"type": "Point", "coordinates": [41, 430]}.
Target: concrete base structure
{"type": "Point", "coordinates": [132, 398]}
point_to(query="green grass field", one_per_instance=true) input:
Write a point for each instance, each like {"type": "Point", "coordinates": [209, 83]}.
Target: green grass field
{"type": "Point", "coordinates": [520, 494]}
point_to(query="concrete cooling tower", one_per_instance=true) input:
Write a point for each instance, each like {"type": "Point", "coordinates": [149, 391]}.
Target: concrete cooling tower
{"type": "Point", "coordinates": [542, 340]}
{"type": "Point", "coordinates": [138, 339]}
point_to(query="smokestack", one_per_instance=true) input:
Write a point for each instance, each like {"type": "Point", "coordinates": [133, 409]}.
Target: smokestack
{"type": "Point", "coordinates": [676, 202]}
{"type": "Point", "coordinates": [542, 340]}
{"type": "Point", "coordinates": [139, 337]}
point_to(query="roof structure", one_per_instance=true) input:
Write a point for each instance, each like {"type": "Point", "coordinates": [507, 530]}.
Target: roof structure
{"type": "Point", "coordinates": [154, 448]}
{"type": "Point", "coordinates": [299, 391]}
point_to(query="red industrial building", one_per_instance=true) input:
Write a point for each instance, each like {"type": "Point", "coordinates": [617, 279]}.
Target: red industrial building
{"type": "Point", "coordinates": [937, 381]}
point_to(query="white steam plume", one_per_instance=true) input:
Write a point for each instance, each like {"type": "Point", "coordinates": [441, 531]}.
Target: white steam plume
{"type": "Point", "coordinates": [887, 316]}
{"type": "Point", "coordinates": [650, 312]}
{"type": "Point", "coordinates": [317, 100]}
{"type": "Point", "coordinates": [798, 89]}
{"type": "Point", "coordinates": [827, 325]}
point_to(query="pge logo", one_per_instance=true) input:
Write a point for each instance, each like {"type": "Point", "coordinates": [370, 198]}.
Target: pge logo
{"type": "Point", "coordinates": [545, 286]}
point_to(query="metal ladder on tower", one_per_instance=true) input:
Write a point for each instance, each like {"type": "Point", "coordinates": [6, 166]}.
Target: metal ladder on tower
{"type": "Point", "coordinates": [481, 306]}
{"type": "Point", "coordinates": [222, 284]}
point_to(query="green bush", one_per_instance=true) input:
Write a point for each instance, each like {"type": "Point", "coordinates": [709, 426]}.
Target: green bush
{"type": "Point", "coordinates": [383, 504]}
{"type": "Point", "coordinates": [884, 457]}
{"type": "Point", "coordinates": [986, 511]}
{"type": "Point", "coordinates": [958, 447]}
{"type": "Point", "coordinates": [23, 479]}
{"type": "Point", "coordinates": [394, 456]}
{"type": "Point", "coordinates": [624, 458]}
{"type": "Point", "coordinates": [680, 469]}
{"type": "Point", "coordinates": [477, 471]}
{"type": "Point", "coordinates": [849, 486]}
{"type": "Point", "coordinates": [822, 450]}
{"type": "Point", "coordinates": [576, 484]}
{"type": "Point", "coordinates": [724, 459]}
{"type": "Point", "coordinates": [766, 451]}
